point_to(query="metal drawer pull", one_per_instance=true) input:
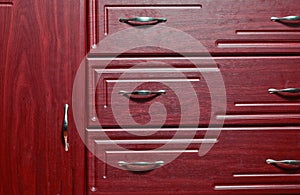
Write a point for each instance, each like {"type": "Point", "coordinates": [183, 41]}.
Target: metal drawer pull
{"type": "Point", "coordinates": [289, 18]}
{"type": "Point", "coordinates": [141, 166]}
{"type": "Point", "coordinates": [287, 90]}
{"type": "Point", "coordinates": [285, 164]}
{"type": "Point", "coordinates": [143, 20]}
{"type": "Point", "coordinates": [65, 128]}
{"type": "Point", "coordinates": [142, 92]}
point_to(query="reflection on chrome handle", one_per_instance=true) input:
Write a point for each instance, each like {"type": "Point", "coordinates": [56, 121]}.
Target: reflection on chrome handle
{"type": "Point", "coordinates": [143, 20]}
{"type": "Point", "coordinates": [287, 90]}
{"type": "Point", "coordinates": [288, 18]}
{"type": "Point", "coordinates": [140, 166]}
{"type": "Point", "coordinates": [142, 92]}
{"type": "Point", "coordinates": [65, 128]}
{"type": "Point", "coordinates": [285, 164]}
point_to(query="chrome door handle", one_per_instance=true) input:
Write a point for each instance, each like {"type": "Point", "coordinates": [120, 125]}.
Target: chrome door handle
{"type": "Point", "coordinates": [286, 90]}
{"type": "Point", "coordinates": [143, 20]}
{"type": "Point", "coordinates": [285, 164]}
{"type": "Point", "coordinates": [141, 166]}
{"type": "Point", "coordinates": [65, 128]}
{"type": "Point", "coordinates": [287, 18]}
{"type": "Point", "coordinates": [142, 92]}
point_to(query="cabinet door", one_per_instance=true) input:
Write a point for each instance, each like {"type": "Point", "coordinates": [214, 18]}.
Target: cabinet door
{"type": "Point", "coordinates": [41, 48]}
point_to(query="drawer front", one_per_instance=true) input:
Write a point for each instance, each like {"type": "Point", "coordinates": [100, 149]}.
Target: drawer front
{"type": "Point", "coordinates": [188, 92]}
{"type": "Point", "coordinates": [182, 176]}
{"type": "Point", "coordinates": [244, 26]}
{"type": "Point", "coordinates": [133, 165]}
{"type": "Point", "coordinates": [181, 95]}
{"type": "Point", "coordinates": [248, 82]}
{"type": "Point", "coordinates": [138, 166]}
{"type": "Point", "coordinates": [250, 163]}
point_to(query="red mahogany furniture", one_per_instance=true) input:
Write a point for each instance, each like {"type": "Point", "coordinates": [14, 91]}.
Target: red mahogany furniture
{"type": "Point", "coordinates": [255, 47]}
{"type": "Point", "coordinates": [148, 104]}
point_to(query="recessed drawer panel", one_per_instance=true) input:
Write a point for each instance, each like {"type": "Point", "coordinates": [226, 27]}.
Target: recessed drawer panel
{"type": "Point", "coordinates": [263, 160]}
{"type": "Point", "coordinates": [171, 92]}
{"type": "Point", "coordinates": [234, 162]}
{"type": "Point", "coordinates": [262, 90]}
{"type": "Point", "coordinates": [163, 95]}
{"type": "Point", "coordinates": [220, 26]}
{"type": "Point", "coordinates": [141, 165]}
{"type": "Point", "coordinates": [187, 173]}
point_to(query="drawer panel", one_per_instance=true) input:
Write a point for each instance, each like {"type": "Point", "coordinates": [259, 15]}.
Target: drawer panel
{"type": "Point", "coordinates": [184, 170]}
{"type": "Point", "coordinates": [247, 99]}
{"type": "Point", "coordinates": [278, 143]}
{"type": "Point", "coordinates": [243, 27]}
{"type": "Point", "coordinates": [247, 168]}
{"type": "Point", "coordinates": [160, 175]}
{"type": "Point", "coordinates": [185, 99]}
{"type": "Point", "coordinates": [248, 81]}
{"type": "Point", "coordinates": [217, 172]}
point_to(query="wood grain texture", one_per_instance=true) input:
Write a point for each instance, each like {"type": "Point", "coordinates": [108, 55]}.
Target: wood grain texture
{"type": "Point", "coordinates": [247, 82]}
{"type": "Point", "coordinates": [247, 49]}
{"type": "Point", "coordinates": [177, 101]}
{"type": "Point", "coordinates": [236, 29]}
{"type": "Point", "coordinates": [184, 87]}
{"type": "Point", "coordinates": [246, 79]}
{"type": "Point", "coordinates": [43, 44]}
{"type": "Point", "coordinates": [191, 174]}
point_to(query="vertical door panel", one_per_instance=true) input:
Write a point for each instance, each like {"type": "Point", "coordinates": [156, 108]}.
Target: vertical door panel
{"type": "Point", "coordinates": [42, 44]}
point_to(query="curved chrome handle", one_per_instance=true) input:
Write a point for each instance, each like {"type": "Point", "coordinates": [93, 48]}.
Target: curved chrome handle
{"type": "Point", "coordinates": [141, 166]}
{"type": "Point", "coordinates": [65, 128]}
{"type": "Point", "coordinates": [142, 92]}
{"type": "Point", "coordinates": [286, 90]}
{"type": "Point", "coordinates": [144, 20]}
{"type": "Point", "coordinates": [285, 164]}
{"type": "Point", "coordinates": [288, 18]}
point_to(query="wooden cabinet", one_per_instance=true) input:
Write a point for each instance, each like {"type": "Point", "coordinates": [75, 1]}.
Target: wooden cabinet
{"type": "Point", "coordinates": [250, 56]}
{"type": "Point", "coordinates": [148, 111]}
{"type": "Point", "coordinates": [42, 44]}
{"type": "Point", "coordinates": [237, 67]}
